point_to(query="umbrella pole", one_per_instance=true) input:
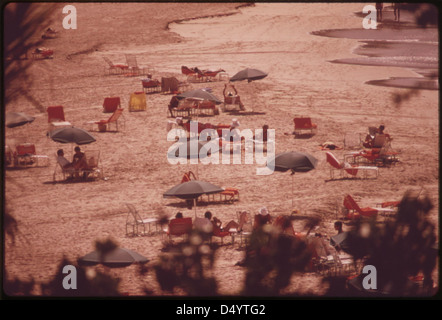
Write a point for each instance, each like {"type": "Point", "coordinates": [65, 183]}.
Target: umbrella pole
{"type": "Point", "coordinates": [195, 206]}
{"type": "Point", "coordinates": [292, 187]}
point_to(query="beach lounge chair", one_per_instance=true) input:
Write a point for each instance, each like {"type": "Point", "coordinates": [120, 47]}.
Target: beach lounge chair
{"type": "Point", "coordinates": [136, 70]}
{"type": "Point", "coordinates": [375, 156]}
{"type": "Point", "coordinates": [245, 226]}
{"type": "Point", "coordinates": [326, 260]}
{"type": "Point", "coordinates": [151, 85]}
{"type": "Point", "coordinates": [188, 177]}
{"type": "Point", "coordinates": [180, 227]}
{"type": "Point", "coordinates": [232, 101]}
{"type": "Point", "coordinates": [347, 170]}
{"type": "Point", "coordinates": [42, 53]}
{"type": "Point", "coordinates": [137, 102]}
{"type": "Point", "coordinates": [26, 155]}
{"type": "Point", "coordinates": [204, 107]}
{"type": "Point", "coordinates": [104, 125]}
{"type": "Point", "coordinates": [56, 117]}
{"type": "Point", "coordinates": [212, 75]}
{"type": "Point", "coordinates": [134, 221]}
{"type": "Point", "coordinates": [218, 233]}
{"type": "Point", "coordinates": [118, 68]}
{"type": "Point", "coordinates": [191, 74]}
{"type": "Point", "coordinates": [229, 195]}
{"type": "Point", "coordinates": [110, 104]}
{"type": "Point", "coordinates": [304, 126]}
{"type": "Point", "coordinates": [354, 211]}
{"type": "Point", "coordinates": [93, 162]}
{"type": "Point", "coordinates": [64, 171]}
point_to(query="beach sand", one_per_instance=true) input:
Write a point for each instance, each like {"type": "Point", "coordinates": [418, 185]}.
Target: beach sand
{"type": "Point", "coordinates": [65, 219]}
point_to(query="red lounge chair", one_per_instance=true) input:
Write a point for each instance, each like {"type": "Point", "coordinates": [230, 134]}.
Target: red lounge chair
{"type": "Point", "coordinates": [104, 125]}
{"type": "Point", "coordinates": [210, 75]}
{"type": "Point", "coordinates": [187, 71]}
{"type": "Point", "coordinates": [110, 104]}
{"type": "Point", "coordinates": [217, 232]}
{"type": "Point", "coordinates": [43, 53]}
{"type": "Point", "coordinates": [304, 125]}
{"type": "Point", "coordinates": [118, 68]}
{"type": "Point", "coordinates": [230, 195]}
{"type": "Point", "coordinates": [378, 156]}
{"type": "Point", "coordinates": [205, 107]}
{"type": "Point", "coordinates": [179, 227]}
{"type": "Point", "coordinates": [26, 155]}
{"type": "Point", "coordinates": [354, 211]}
{"type": "Point", "coordinates": [188, 177]}
{"type": "Point", "coordinates": [151, 86]}
{"type": "Point", "coordinates": [346, 169]}
{"type": "Point", "coordinates": [56, 117]}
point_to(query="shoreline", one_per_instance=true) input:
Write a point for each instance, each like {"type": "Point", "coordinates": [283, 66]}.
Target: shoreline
{"type": "Point", "coordinates": [378, 47]}
{"type": "Point", "coordinates": [218, 15]}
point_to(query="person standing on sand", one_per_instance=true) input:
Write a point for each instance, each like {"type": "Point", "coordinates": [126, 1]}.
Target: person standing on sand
{"type": "Point", "coordinates": [397, 11]}
{"type": "Point", "coordinates": [379, 7]}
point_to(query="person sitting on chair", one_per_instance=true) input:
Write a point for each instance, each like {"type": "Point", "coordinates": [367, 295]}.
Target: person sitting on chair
{"type": "Point", "coordinates": [73, 167]}
{"type": "Point", "coordinates": [78, 155]}
{"type": "Point", "coordinates": [381, 131]}
{"type": "Point", "coordinates": [231, 95]}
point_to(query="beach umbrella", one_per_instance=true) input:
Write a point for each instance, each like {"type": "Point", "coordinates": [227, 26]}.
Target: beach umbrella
{"type": "Point", "coordinates": [16, 119]}
{"type": "Point", "coordinates": [71, 135]}
{"type": "Point", "coordinates": [294, 161]}
{"type": "Point", "coordinates": [249, 75]}
{"type": "Point", "coordinates": [202, 94]}
{"type": "Point", "coordinates": [118, 257]}
{"type": "Point", "coordinates": [191, 190]}
{"type": "Point", "coordinates": [195, 149]}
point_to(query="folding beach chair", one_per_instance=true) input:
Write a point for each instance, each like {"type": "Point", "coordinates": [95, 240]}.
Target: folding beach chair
{"type": "Point", "coordinates": [134, 221]}
{"type": "Point", "coordinates": [180, 227]}
{"type": "Point", "coordinates": [347, 170]}
{"type": "Point", "coordinates": [354, 211]}
{"type": "Point", "coordinates": [304, 126]}
{"type": "Point", "coordinates": [110, 104]}
{"type": "Point", "coordinates": [151, 85]}
{"type": "Point", "coordinates": [56, 117]}
{"type": "Point", "coordinates": [26, 155]}
{"type": "Point", "coordinates": [137, 102]}
{"type": "Point", "coordinates": [136, 70]}
{"type": "Point", "coordinates": [118, 68]}
{"type": "Point", "coordinates": [104, 125]}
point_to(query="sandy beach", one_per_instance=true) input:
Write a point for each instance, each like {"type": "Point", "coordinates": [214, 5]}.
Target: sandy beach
{"type": "Point", "coordinates": [345, 81]}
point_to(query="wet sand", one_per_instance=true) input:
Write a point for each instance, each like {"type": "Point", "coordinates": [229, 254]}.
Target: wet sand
{"type": "Point", "coordinates": [401, 44]}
